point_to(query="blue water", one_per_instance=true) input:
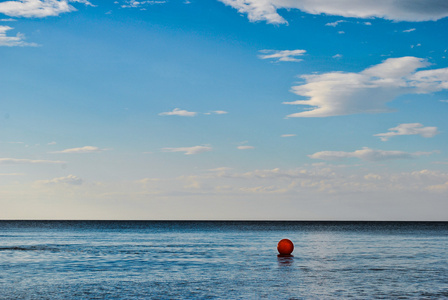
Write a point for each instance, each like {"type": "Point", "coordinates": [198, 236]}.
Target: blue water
{"type": "Point", "coordinates": [222, 260]}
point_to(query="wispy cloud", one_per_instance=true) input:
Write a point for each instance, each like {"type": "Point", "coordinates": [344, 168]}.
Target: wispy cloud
{"type": "Point", "coordinates": [245, 147]}
{"type": "Point", "coordinates": [334, 24]}
{"type": "Point", "coordinates": [70, 180]}
{"type": "Point", "coordinates": [282, 55]}
{"type": "Point", "coordinates": [216, 112]}
{"type": "Point", "coordinates": [341, 93]}
{"type": "Point", "coordinates": [366, 154]}
{"type": "Point", "coordinates": [288, 135]}
{"type": "Point", "coordinates": [189, 150]}
{"type": "Point", "coordinates": [438, 187]}
{"type": "Point", "coordinates": [179, 112]}
{"type": "Point", "coordinates": [257, 11]}
{"type": "Point", "coordinates": [408, 129]}
{"type": "Point", "coordinates": [140, 4]}
{"type": "Point", "coordinates": [320, 178]}
{"type": "Point", "coordinates": [13, 41]}
{"type": "Point", "coordinates": [220, 112]}
{"type": "Point", "coordinates": [267, 10]}
{"type": "Point", "coordinates": [21, 161]}
{"type": "Point", "coordinates": [85, 149]}
{"type": "Point", "coordinates": [409, 30]}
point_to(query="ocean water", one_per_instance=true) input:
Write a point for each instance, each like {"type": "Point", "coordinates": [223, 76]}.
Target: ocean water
{"type": "Point", "coordinates": [222, 260]}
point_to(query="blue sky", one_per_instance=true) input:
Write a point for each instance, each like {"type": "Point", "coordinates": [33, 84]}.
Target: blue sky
{"type": "Point", "coordinates": [229, 109]}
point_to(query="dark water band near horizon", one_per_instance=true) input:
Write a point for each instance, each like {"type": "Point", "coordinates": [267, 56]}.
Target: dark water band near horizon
{"type": "Point", "coordinates": [222, 260]}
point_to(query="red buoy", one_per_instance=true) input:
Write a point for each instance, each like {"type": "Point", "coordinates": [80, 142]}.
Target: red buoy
{"type": "Point", "coordinates": [285, 247]}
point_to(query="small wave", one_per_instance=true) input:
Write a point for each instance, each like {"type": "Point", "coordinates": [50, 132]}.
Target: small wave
{"type": "Point", "coordinates": [29, 248]}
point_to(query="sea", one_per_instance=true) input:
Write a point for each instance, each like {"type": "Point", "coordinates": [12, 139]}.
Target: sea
{"type": "Point", "coordinates": [222, 260]}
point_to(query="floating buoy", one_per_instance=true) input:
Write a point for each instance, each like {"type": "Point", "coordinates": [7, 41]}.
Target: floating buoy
{"type": "Point", "coordinates": [285, 247]}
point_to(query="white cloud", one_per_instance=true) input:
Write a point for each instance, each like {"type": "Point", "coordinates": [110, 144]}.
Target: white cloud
{"type": "Point", "coordinates": [13, 41]}
{"type": "Point", "coordinates": [288, 135]}
{"type": "Point", "coordinates": [341, 93]}
{"type": "Point", "coordinates": [52, 143]}
{"type": "Point", "coordinates": [319, 178]}
{"type": "Point", "coordinates": [85, 149]}
{"type": "Point", "coordinates": [337, 56]}
{"type": "Point", "coordinates": [367, 23]}
{"type": "Point", "coordinates": [245, 147]}
{"type": "Point", "coordinates": [334, 24]}
{"type": "Point", "coordinates": [282, 55]}
{"type": "Point", "coordinates": [341, 32]}
{"type": "Point", "coordinates": [139, 4]}
{"type": "Point", "coordinates": [179, 112]}
{"type": "Point", "coordinates": [400, 10]}
{"type": "Point", "coordinates": [366, 154]}
{"type": "Point", "coordinates": [438, 187]}
{"type": "Point", "coordinates": [321, 187]}
{"type": "Point", "coordinates": [257, 10]}
{"type": "Point", "coordinates": [85, 2]}
{"type": "Point", "coordinates": [409, 30]}
{"type": "Point", "coordinates": [220, 112]}
{"type": "Point", "coordinates": [408, 129]}
{"type": "Point", "coordinates": [216, 112]}
{"type": "Point", "coordinates": [16, 161]}
{"type": "Point", "coordinates": [189, 150]}
{"type": "Point", "coordinates": [446, 101]}
{"type": "Point", "coordinates": [37, 8]}
{"type": "Point", "coordinates": [8, 20]}
{"type": "Point", "coordinates": [70, 179]}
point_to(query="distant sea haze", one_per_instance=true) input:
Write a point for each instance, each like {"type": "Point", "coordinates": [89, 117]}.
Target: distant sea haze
{"type": "Point", "coordinates": [222, 260]}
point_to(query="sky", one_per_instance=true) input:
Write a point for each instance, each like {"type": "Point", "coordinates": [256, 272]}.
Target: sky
{"type": "Point", "coordinates": [224, 110]}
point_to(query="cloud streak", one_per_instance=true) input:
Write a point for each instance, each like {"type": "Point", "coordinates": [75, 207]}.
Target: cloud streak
{"type": "Point", "coordinates": [245, 147]}
{"type": "Point", "coordinates": [189, 150]}
{"type": "Point", "coordinates": [70, 180]}
{"type": "Point", "coordinates": [282, 55]}
{"type": "Point", "coordinates": [400, 10]}
{"type": "Point", "coordinates": [334, 24]}
{"type": "Point", "coordinates": [408, 129]}
{"type": "Point", "coordinates": [21, 161]}
{"type": "Point", "coordinates": [140, 4]}
{"type": "Point", "coordinates": [179, 112]}
{"type": "Point", "coordinates": [85, 149]}
{"type": "Point", "coordinates": [343, 93]}
{"type": "Point", "coordinates": [366, 154]}
{"type": "Point", "coordinates": [220, 112]}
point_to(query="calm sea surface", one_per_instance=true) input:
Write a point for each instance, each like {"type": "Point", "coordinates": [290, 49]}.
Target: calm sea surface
{"type": "Point", "coordinates": [222, 260]}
